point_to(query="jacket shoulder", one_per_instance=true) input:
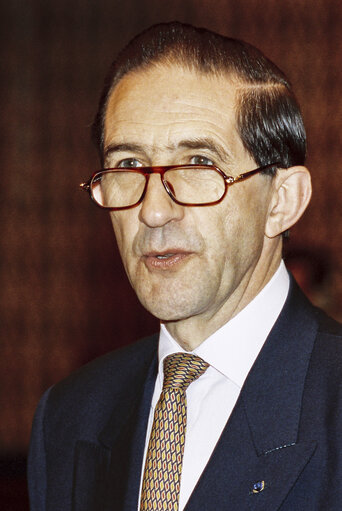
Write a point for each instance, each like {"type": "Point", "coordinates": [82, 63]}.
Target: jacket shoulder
{"type": "Point", "coordinates": [86, 396]}
{"type": "Point", "coordinates": [327, 354]}
{"type": "Point", "coordinates": [116, 365]}
{"type": "Point", "coordinates": [328, 325]}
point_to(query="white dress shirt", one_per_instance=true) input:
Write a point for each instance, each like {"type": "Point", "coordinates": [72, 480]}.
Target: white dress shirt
{"type": "Point", "coordinates": [230, 353]}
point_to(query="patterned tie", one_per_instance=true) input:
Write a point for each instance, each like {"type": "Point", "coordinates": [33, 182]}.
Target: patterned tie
{"type": "Point", "coordinates": [163, 466]}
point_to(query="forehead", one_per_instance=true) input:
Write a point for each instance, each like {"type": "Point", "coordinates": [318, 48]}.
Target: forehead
{"type": "Point", "coordinates": [164, 105]}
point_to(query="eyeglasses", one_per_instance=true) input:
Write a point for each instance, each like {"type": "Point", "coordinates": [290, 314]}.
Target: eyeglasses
{"type": "Point", "coordinates": [187, 185]}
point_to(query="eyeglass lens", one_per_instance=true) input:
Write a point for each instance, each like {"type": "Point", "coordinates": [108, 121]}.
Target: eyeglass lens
{"type": "Point", "coordinates": [114, 189]}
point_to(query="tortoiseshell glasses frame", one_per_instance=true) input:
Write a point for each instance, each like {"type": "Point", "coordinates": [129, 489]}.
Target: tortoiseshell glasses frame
{"type": "Point", "coordinates": [224, 180]}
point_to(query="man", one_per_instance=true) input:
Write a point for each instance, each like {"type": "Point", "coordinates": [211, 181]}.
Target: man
{"type": "Point", "coordinates": [206, 147]}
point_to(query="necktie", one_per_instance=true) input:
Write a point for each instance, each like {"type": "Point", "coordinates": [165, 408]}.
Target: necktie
{"type": "Point", "coordinates": [163, 465]}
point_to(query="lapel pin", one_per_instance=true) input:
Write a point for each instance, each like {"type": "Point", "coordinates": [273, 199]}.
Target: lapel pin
{"type": "Point", "coordinates": [258, 487]}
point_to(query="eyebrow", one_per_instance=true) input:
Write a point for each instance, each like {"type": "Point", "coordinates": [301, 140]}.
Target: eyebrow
{"type": "Point", "coordinates": [197, 143]}
{"type": "Point", "coordinates": [208, 144]}
{"type": "Point", "coordinates": [116, 148]}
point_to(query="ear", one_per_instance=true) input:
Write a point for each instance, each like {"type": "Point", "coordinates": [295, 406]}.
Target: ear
{"type": "Point", "coordinates": [291, 194]}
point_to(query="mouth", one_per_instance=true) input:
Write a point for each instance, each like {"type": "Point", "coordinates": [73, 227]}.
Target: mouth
{"type": "Point", "coordinates": [164, 256]}
{"type": "Point", "coordinates": [165, 260]}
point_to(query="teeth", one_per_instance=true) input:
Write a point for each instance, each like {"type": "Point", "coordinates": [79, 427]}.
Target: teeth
{"type": "Point", "coordinates": [164, 256]}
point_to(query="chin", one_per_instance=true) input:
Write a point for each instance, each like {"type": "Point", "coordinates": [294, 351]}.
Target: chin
{"type": "Point", "coordinates": [165, 314]}
{"type": "Point", "coordinates": [165, 309]}
{"type": "Point", "coordinates": [175, 299]}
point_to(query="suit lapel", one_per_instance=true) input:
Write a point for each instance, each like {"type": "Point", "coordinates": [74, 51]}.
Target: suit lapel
{"type": "Point", "coordinates": [90, 475]}
{"type": "Point", "coordinates": [128, 449]}
{"type": "Point", "coordinates": [273, 391]}
{"type": "Point", "coordinates": [259, 455]}
{"type": "Point", "coordinates": [107, 474]}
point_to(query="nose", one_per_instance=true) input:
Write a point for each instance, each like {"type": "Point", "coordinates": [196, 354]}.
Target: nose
{"type": "Point", "coordinates": [158, 208]}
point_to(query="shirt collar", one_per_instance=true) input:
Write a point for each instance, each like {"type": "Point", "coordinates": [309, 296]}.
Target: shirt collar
{"type": "Point", "coordinates": [233, 348]}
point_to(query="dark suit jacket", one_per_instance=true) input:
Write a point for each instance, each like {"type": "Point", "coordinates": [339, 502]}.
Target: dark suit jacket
{"type": "Point", "coordinates": [285, 431]}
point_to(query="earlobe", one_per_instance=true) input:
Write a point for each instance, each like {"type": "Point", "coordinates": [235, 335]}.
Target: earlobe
{"type": "Point", "coordinates": [290, 196]}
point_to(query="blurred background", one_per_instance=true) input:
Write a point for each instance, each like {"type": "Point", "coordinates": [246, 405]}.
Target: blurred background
{"type": "Point", "coordinates": [64, 298]}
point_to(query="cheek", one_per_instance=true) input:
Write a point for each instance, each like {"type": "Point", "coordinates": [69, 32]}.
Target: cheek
{"type": "Point", "coordinates": [244, 218]}
{"type": "Point", "coordinates": [124, 230]}
{"type": "Point", "coordinates": [215, 225]}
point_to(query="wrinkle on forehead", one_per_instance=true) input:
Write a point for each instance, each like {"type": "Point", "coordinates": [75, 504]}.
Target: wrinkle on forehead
{"type": "Point", "coordinates": [174, 94]}
{"type": "Point", "coordinates": [160, 108]}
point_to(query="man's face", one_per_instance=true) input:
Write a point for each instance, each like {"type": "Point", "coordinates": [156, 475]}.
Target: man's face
{"type": "Point", "coordinates": [186, 262]}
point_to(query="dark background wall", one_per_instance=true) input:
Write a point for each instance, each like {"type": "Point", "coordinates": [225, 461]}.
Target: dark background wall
{"type": "Point", "coordinates": [63, 296]}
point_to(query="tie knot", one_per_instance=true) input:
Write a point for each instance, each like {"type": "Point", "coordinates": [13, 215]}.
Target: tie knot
{"type": "Point", "coordinates": [181, 369]}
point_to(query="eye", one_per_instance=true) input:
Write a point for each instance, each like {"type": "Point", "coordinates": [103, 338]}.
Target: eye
{"type": "Point", "coordinates": [129, 163]}
{"type": "Point", "coordinates": [201, 160]}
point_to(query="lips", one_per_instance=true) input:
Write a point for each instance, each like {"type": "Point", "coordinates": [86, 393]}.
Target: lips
{"type": "Point", "coordinates": [166, 260]}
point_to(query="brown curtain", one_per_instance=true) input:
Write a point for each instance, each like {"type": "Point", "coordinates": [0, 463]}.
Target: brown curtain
{"type": "Point", "coordinates": [64, 298]}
